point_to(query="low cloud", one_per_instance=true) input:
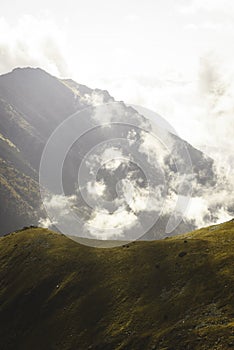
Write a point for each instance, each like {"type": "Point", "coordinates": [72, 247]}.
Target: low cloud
{"type": "Point", "coordinates": [58, 207]}
{"type": "Point", "coordinates": [103, 225]}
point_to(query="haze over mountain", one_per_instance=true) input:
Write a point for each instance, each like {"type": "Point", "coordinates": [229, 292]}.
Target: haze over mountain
{"type": "Point", "coordinates": [117, 175]}
{"type": "Point", "coordinates": [33, 104]}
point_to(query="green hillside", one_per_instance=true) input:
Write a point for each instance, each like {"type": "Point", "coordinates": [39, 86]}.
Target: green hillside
{"type": "Point", "coordinates": [177, 293]}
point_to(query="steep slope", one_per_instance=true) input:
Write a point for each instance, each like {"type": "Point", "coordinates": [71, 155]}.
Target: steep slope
{"type": "Point", "coordinates": [176, 293]}
{"type": "Point", "coordinates": [32, 104]}
{"type": "Point", "coordinates": [19, 190]}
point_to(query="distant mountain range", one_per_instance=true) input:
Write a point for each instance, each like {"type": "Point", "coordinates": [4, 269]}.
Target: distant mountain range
{"type": "Point", "coordinates": [32, 104]}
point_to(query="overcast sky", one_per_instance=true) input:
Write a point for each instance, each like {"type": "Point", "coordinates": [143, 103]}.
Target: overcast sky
{"type": "Point", "coordinates": [173, 56]}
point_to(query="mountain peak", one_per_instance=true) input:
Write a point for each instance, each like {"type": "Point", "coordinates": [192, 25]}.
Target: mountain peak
{"type": "Point", "coordinates": [21, 69]}
{"type": "Point", "coordinates": [29, 70]}
{"type": "Point", "coordinates": [26, 71]}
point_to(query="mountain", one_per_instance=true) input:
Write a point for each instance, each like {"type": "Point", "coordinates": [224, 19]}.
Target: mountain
{"type": "Point", "coordinates": [33, 104]}
{"type": "Point", "coordinates": [19, 189]}
{"type": "Point", "coordinates": [176, 293]}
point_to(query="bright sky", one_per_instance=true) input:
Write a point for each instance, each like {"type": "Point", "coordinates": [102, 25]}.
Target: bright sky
{"type": "Point", "coordinates": [173, 56]}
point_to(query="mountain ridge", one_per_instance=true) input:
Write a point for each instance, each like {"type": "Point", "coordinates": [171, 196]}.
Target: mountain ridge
{"type": "Point", "coordinates": [32, 105]}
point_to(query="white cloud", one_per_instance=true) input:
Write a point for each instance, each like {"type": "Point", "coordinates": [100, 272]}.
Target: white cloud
{"type": "Point", "coordinates": [96, 188]}
{"type": "Point", "coordinates": [58, 207]}
{"type": "Point", "coordinates": [132, 17]}
{"type": "Point", "coordinates": [104, 225]}
{"type": "Point", "coordinates": [33, 42]}
{"type": "Point", "coordinates": [200, 110]}
{"type": "Point", "coordinates": [149, 199]}
{"type": "Point", "coordinates": [106, 156]}
{"type": "Point", "coordinates": [154, 148]}
{"type": "Point", "coordinates": [46, 222]}
{"type": "Point", "coordinates": [112, 157]}
{"type": "Point", "coordinates": [210, 6]}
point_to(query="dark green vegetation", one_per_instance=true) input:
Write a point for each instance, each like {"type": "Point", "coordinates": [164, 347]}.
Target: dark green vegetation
{"type": "Point", "coordinates": [177, 293]}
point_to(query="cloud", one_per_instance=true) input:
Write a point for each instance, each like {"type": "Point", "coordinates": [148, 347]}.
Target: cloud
{"type": "Point", "coordinates": [105, 156]}
{"type": "Point", "coordinates": [154, 147]}
{"type": "Point", "coordinates": [58, 206]}
{"type": "Point", "coordinates": [112, 158]}
{"type": "Point", "coordinates": [46, 222]}
{"type": "Point", "coordinates": [132, 18]}
{"type": "Point", "coordinates": [120, 194]}
{"type": "Point", "coordinates": [208, 6]}
{"type": "Point", "coordinates": [96, 188]}
{"type": "Point", "coordinates": [104, 225]}
{"type": "Point", "coordinates": [139, 198]}
{"type": "Point", "coordinates": [33, 42]}
{"type": "Point", "coordinates": [200, 110]}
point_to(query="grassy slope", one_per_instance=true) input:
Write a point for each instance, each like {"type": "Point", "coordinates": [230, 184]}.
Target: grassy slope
{"type": "Point", "coordinates": [57, 294]}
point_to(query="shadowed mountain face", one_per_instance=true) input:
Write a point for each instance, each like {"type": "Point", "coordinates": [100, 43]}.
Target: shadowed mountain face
{"type": "Point", "coordinates": [176, 293]}
{"type": "Point", "coordinates": [33, 104]}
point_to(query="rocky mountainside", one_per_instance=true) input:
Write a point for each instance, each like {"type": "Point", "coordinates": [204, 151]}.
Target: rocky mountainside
{"type": "Point", "coordinates": [32, 104]}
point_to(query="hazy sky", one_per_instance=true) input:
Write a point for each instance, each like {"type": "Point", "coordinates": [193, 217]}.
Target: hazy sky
{"type": "Point", "coordinates": [102, 40]}
{"type": "Point", "coordinates": [173, 56]}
